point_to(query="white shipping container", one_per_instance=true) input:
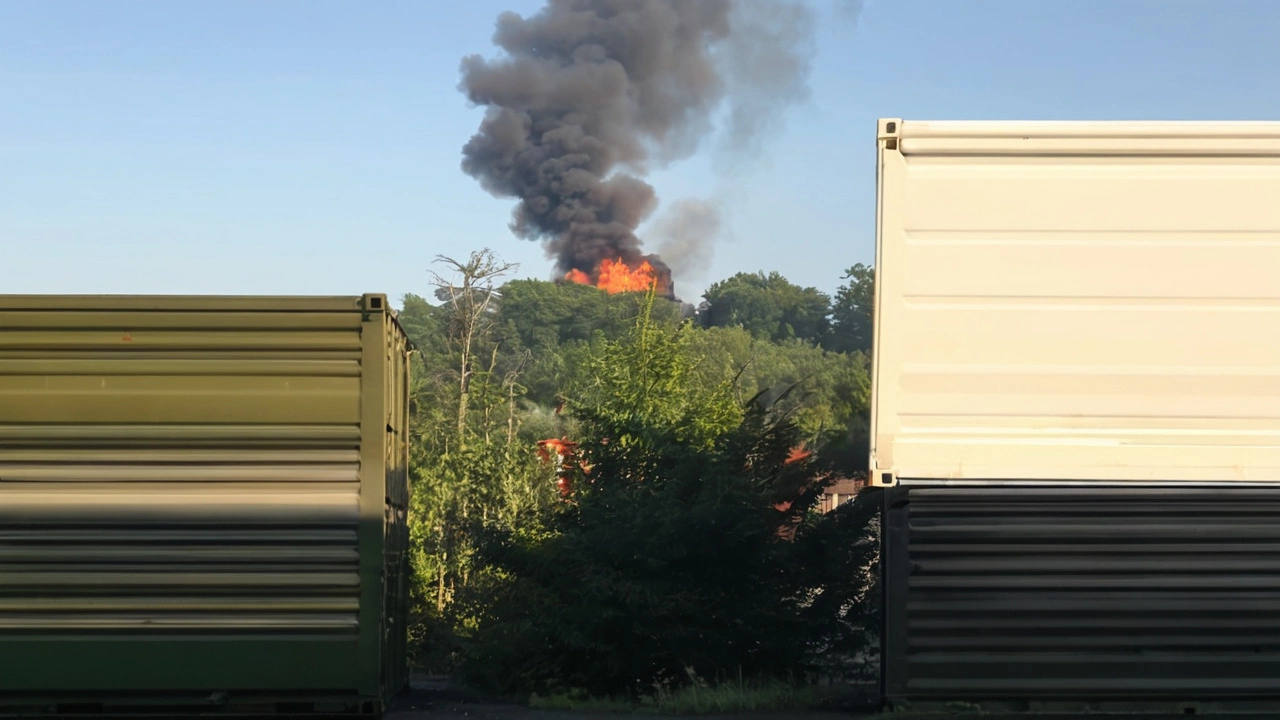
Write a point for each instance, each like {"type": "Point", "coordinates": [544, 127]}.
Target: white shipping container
{"type": "Point", "coordinates": [1091, 301]}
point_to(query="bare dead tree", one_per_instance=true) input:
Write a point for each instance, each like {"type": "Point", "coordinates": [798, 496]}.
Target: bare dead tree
{"type": "Point", "coordinates": [470, 295]}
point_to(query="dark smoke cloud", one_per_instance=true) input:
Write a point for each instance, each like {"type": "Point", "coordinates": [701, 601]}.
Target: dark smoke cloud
{"type": "Point", "coordinates": [589, 93]}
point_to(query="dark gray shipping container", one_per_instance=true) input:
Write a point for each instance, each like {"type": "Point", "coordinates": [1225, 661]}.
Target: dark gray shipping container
{"type": "Point", "coordinates": [1035, 597]}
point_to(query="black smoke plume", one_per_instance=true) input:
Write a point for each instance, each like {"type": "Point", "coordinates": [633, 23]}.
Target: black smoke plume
{"type": "Point", "coordinates": [590, 92]}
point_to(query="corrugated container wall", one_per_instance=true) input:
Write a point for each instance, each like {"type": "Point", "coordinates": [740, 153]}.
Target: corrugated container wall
{"type": "Point", "coordinates": [1085, 301]}
{"type": "Point", "coordinates": [1076, 414]}
{"type": "Point", "coordinates": [202, 502]}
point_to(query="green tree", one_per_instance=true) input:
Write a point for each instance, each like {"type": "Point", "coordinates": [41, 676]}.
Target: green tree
{"type": "Point", "coordinates": [768, 306]}
{"type": "Point", "coordinates": [826, 392]}
{"type": "Point", "coordinates": [667, 554]}
{"type": "Point", "coordinates": [541, 313]}
{"type": "Point", "coordinates": [853, 312]}
{"type": "Point", "coordinates": [424, 323]}
{"type": "Point", "coordinates": [468, 463]}
{"type": "Point", "coordinates": [556, 323]}
{"type": "Point", "coordinates": [670, 558]}
{"type": "Point", "coordinates": [427, 328]}
{"type": "Point", "coordinates": [841, 550]}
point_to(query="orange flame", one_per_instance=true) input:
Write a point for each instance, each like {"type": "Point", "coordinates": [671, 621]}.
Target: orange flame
{"type": "Point", "coordinates": [797, 454]}
{"type": "Point", "coordinates": [615, 276]}
{"type": "Point", "coordinates": [562, 454]}
{"type": "Point", "coordinates": [562, 450]}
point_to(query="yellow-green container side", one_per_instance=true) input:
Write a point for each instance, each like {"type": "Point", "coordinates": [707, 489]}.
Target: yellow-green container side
{"type": "Point", "coordinates": [203, 503]}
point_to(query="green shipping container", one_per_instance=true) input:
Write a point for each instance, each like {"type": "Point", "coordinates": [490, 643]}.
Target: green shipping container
{"type": "Point", "coordinates": [202, 504]}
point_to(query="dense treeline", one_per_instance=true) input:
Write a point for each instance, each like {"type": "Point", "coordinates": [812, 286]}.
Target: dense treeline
{"type": "Point", "coordinates": [679, 540]}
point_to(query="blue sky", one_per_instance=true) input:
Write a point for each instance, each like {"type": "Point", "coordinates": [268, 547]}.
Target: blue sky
{"type": "Point", "coordinates": [313, 146]}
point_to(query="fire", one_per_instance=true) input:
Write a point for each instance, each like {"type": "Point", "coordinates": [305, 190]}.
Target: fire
{"type": "Point", "coordinates": [562, 454]}
{"type": "Point", "coordinates": [797, 454]}
{"type": "Point", "coordinates": [561, 448]}
{"type": "Point", "coordinates": [615, 276]}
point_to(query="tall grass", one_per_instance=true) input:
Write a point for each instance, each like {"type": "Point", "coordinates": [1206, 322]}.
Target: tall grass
{"type": "Point", "coordinates": [696, 698]}
{"type": "Point", "coordinates": [732, 697]}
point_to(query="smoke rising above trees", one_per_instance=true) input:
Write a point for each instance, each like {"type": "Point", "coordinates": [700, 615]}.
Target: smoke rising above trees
{"type": "Point", "coordinates": [589, 95]}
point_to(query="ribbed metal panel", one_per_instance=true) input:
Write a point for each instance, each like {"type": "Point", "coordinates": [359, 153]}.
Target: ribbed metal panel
{"type": "Point", "coordinates": [178, 541]}
{"type": "Point", "coordinates": [1082, 593]}
{"type": "Point", "coordinates": [1076, 300]}
{"type": "Point", "coordinates": [190, 481]}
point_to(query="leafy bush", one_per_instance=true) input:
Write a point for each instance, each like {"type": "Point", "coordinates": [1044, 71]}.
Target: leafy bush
{"type": "Point", "coordinates": [841, 550]}
{"type": "Point", "coordinates": [686, 551]}
{"type": "Point", "coordinates": [670, 560]}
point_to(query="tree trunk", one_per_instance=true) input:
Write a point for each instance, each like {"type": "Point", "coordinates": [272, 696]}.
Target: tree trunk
{"type": "Point", "coordinates": [464, 381]}
{"type": "Point", "coordinates": [488, 406]}
{"type": "Point", "coordinates": [440, 585]}
{"type": "Point", "coordinates": [511, 413]}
